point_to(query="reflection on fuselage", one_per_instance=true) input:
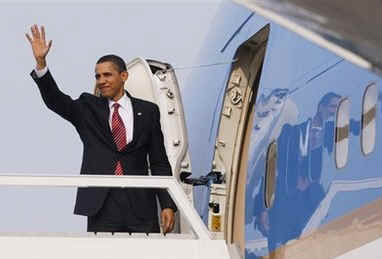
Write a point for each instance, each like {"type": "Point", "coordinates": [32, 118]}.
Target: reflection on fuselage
{"type": "Point", "coordinates": [299, 169]}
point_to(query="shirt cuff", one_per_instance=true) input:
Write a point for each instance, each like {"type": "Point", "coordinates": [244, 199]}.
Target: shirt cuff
{"type": "Point", "coordinates": [42, 72]}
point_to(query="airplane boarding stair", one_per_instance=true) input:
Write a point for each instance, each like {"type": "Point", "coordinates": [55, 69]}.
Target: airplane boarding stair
{"type": "Point", "coordinates": [156, 82]}
{"type": "Point", "coordinates": [197, 244]}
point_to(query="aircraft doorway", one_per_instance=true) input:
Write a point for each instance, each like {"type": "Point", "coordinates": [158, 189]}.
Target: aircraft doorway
{"type": "Point", "coordinates": [234, 135]}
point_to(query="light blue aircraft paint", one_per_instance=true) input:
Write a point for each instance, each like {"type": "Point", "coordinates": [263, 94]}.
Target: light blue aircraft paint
{"type": "Point", "coordinates": [310, 190]}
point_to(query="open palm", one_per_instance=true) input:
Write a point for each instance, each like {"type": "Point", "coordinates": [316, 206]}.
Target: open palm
{"type": "Point", "coordinates": [38, 43]}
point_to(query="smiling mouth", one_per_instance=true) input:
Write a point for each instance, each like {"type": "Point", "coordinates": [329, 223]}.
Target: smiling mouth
{"type": "Point", "coordinates": [103, 88]}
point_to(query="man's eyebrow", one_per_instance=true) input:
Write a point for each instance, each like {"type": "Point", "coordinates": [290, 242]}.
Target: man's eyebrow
{"type": "Point", "coordinates": [104, 73]}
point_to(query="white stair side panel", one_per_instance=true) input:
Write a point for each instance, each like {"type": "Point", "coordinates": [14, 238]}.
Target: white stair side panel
{"type": "Point", "coordinates": [35, 247]}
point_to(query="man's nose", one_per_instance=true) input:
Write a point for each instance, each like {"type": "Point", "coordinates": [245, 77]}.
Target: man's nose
{"type": "Point", "coordinates": [101, 81]}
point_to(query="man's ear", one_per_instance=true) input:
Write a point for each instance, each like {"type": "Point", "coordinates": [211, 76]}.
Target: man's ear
{"type": "Point", "coordinates": [124, 75]}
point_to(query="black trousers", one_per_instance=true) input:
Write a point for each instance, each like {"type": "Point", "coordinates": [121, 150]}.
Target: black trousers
{"type": "Point", "coordinates": [116, 216]}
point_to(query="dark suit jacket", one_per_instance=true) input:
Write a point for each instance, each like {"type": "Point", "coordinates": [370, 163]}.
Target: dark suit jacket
{"type": "Point", "coordinates": [90, 116]}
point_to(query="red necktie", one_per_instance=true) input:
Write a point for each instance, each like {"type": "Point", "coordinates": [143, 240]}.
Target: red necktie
{"type": "Point", "coordinates": [119, 134]}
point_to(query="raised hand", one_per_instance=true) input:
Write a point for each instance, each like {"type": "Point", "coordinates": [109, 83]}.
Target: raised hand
{"type": "Point", "coordinates": [39, 46]}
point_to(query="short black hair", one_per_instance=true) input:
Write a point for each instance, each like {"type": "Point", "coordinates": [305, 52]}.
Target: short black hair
{"type": "Point", "coordinates": [325, 100]}
{"type": "Point", "coordinates": [116, 60]}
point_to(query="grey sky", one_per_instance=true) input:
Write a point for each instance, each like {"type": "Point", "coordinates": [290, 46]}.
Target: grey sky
{"type": "Point", "coordinates": [34, 139]}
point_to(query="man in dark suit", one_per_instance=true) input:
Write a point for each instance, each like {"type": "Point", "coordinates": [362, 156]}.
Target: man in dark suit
{"type": "Point", "coordinates": [118, 131]}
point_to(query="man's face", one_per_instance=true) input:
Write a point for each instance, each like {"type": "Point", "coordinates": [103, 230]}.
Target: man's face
{"type": "Point", "coordinates": [329, 110]}
{"type": "Point", "coordinates": [332, 107]}
{"type": "Point", "coordinates": [110, 81]}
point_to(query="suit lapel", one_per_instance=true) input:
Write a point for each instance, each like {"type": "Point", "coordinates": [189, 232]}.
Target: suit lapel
{"type": "Point", "coordinates": [137, 124]}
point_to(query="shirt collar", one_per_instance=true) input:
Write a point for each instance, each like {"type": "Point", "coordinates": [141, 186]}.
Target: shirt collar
{"type": "Point", "coordinates": [123, 102]}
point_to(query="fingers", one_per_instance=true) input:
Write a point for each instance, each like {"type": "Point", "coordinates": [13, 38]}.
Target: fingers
{"type": "Point", "coordinates": [167, 220]}
{"type": "Point", "coordinates": [38, 37]}
{"type": "Point", "coordinates": [39, 47]}
{"type": "Point", "coordinates": [171, 222]}
{"type": "Point", "coordinates": [35, 31]}
{"type": "Point", "coordinates": [29, 38]}
{"type": "Point", "coordinates": [163, 223]}
{"type": "Point", "coordinates": [49, 45]}
{"type": "Point", "coordinates": [166, 226]}
{"type": "Point", "coordinates": [170, 227]}
{"type": "Point", "coordinates": [43, 33]}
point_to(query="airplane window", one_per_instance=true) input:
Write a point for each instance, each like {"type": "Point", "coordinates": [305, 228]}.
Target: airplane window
{"type": "Point", "coordinates": [270, 177]}
{"type": "Point", "coordinates": [369, 111]}
{"type": "Point", "coordinates": [342, 133]}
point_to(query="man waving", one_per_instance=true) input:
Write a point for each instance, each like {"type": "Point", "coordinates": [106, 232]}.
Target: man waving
{"type": "Point", "coordinates": [118, 132]}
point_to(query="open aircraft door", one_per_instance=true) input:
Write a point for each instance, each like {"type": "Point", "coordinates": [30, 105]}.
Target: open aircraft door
{"type": "Point", "coordinates": [249, 124]}
{"type": "Point", "coordinates": [227, 198]}
{"type": "Point", "coordinates": [156, 82]}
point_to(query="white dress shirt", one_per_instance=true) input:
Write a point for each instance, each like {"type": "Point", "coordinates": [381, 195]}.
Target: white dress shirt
{"type": "Point", "coordinates": [42, 72]}
{"type": "Point", "coordinates": [125, 110]}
